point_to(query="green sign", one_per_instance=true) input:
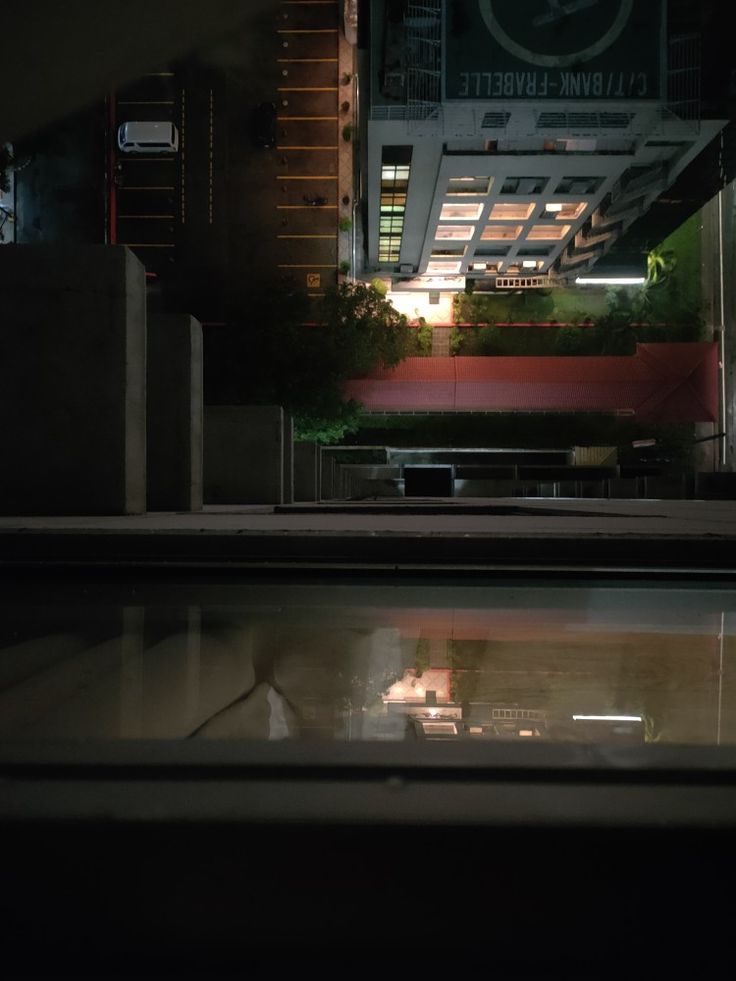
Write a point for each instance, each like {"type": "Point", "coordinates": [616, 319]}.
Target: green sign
{"type": "Point", "coordinates": [553, 49]}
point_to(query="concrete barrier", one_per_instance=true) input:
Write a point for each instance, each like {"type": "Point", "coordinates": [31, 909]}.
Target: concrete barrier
{"type": "Point", "coordinates": [245, 454]}
{"type": "Point", "coordinates": [306, 471]}
{"type": "Point", "coordinates": [174, 413]}
{"type": "Point", "coordinates": [72, 380]}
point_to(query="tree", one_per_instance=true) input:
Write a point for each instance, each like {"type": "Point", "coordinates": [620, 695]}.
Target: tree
{"type": "Point", "coordinates": [361, 330]}
{"type": "Point", "coordinates": [269, 355]}
{"type": "Point", "coordinates": [6, 164]}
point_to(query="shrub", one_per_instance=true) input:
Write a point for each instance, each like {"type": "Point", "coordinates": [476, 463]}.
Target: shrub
{"type": "Point", "coordinates": [568, 340]}
{"type": "Point", "coordinates": [379, 286]}
{"type": "Point", "coordinates": [344, 267]}
{"type": "Point", "coordinates": [347, 132]}
{"type": "Point", "coordinates": [344, 224]}
{"type": "Point", "coordinates": [423, 338]}
{"type": "Point", "coordinates": [456, 340]}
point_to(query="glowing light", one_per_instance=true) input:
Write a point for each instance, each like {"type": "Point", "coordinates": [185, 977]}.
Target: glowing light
{"type": "Point", "coordinates": [607, 718]}
{"type": "Point", "coordinates": [610, 281]}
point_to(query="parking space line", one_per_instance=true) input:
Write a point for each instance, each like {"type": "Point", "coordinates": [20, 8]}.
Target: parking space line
{"type": "Point", "coordinates": [145, 216]}
{"type": "Point", "coordinates": [306, 265]}
{"type": "Point", "coordinates": [307, 236]}
{"type": "Point", "coordinates": [145, 102]}
{"type": "Point", "coordinates": [305, 207]}
{"type": "Point", "coordinates": [161, 74]}
{"type": "Point", "coordinates": [131, 188]}
{"type": "Point", "coordinates": [307, 30]}
{"type": "Point", "coordinates": [211, 153]}
{"type": "Point", "coordinates": [279, 147]}
{"type": "Point", "coordinates": [305, 61]}
{"type": "Point", "coordinates": [148, 245]}
{"type": "Point", "coordinates": [300, 177]}
{"type": "Point", "coordinates": [182, 158]}
{"type": "Point", "coordinates": [161, 158]}
{"type": "Point", "coordinates": [306, 88]}
{"type": "Point", "coordinates": [293, 119]}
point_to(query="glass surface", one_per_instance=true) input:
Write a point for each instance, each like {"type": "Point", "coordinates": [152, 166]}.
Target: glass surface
{"type": "Point", "coordinates": [349, 660]}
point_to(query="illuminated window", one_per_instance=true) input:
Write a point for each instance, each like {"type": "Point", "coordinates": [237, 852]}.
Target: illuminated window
{"type": "Point", "coordinates": [512, 211]}
{"type": "Point", "coordinates": [454, 253]}
{"type": "Point", "coordinates": [469, 185]}
{"type": "Point", "coordinates": [542, 232]}
{"type": "Point", "coordinates": [462, 233]}
{"type": "Point", "coordinates": [493, 232]}
{"type": "Point", "coordinates": [395, 167]}
{"type": "Point", "coordinates": [442, 267]}
{"type": "Point", "coordinates": [454, 211]}
{"type": "Point", "coordinates": [564, 212]}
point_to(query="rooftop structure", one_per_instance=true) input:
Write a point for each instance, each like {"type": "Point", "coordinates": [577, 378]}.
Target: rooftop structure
{"type": "Point", "coordinates": [514, 145]}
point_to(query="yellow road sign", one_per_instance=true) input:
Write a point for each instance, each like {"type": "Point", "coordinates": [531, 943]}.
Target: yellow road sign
{"type": "Point", "coordinates": [314, 281]}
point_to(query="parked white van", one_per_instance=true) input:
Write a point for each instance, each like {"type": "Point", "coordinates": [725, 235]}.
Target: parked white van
{"type": "Point", "coordinates": [142, 137]}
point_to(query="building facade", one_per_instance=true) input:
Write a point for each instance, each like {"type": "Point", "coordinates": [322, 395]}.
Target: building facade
{"type": "Point", "coordinates": [514, 144]}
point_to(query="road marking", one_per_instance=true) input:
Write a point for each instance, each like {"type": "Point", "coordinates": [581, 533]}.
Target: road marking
{"type": "Point", "coordinates": [287, 177]}
{"type": "Point", "coordinates": [161, 158]}
{"type": "Point", "coordinates": [305, 61]}
{"type": "Point", "coordinates": [291, 119]}
{"type": "Point", "coordinates": [163, 74]}
{"type": "Point", "coordinates": [279, 147]}
{"type": "Point", "coordinates": [148, 245]}
{"type": "Point", "coordinates": [211, 158]}
{"type": "Point", "coordinates": [307, 236]}
{"type": "Point", "coordinates": [146, 216]}
{"type": "Point", "coordinates": [306, 88]}
{"type": "Point", "coordinates": [146, 189]}
{"type": "Point", "coordinates": [305, 207]}
{"type": "Point", "coordinates": [182, 157]}
{"type": "Point", "coordinates": [145, 102]}
{"type": "Point", "coordinates": [306, 265]}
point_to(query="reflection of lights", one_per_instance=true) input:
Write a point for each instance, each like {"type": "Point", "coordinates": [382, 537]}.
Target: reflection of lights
{"type": "Point", "coordinates": [526, 732]}
{"type": "Point", "coordinates": [433, 714]}
{"type": "Point", "coordinates": [607, 718]}
{"type": "Point", "coordinates": [420, 690]}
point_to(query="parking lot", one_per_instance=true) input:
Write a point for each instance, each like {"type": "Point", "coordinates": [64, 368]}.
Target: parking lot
{"type": "Point", "coordinates": [147, 189]}
{"type": "Point", "coordinates": [223, 215]}
{"type": "Point", "coordinates": [307, 37]}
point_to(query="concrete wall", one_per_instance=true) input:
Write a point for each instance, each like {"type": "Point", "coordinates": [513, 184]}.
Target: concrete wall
{"type": "Point", "coordinates": [244, 454]}
{"type": "Point", "coordinates": [72, 380]}
{"type": "Point", "coordinates": [306, 471]}
{"type": "Point", "coordinates": [174, 413]}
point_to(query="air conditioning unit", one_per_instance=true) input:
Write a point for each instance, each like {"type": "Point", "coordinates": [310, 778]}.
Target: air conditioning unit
{"type": "Point", "coordinates": [406, 268]}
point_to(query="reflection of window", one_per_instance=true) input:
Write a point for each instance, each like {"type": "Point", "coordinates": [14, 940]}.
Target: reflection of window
{"type": "Point", "coordinates": [578, 185]}
{"type": "Point", "coordinates": [512, 210]}
{"type": "Point", "coordinates": [547, 232]}
{"type": "Point", "coordinates": [395, 166]}
{"type": "Point", "coordinates": [455, 253]}
{"type": "Point", "coordinates": [442, 267]}
{"type": "Point", "coordinates": [469, 185]}
{"type": "Point", "coordinates": [564, 212]}
{"type": "Point", "coordinates": [524, 185]}
{"type": "Point", "coordinates": [537, 250]}
{"type": "Point", "coordinates": [439, 728]}
{"type": "Point", "coordinates": [450, 211]}
{"type": "Point", "coordinates": [491, 232]}
{"type": "Point", "coordinates": [492, 250]}
{"type": "Point", "coordinates": [463, 233]}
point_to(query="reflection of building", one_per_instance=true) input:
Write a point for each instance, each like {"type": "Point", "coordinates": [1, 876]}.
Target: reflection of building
{"type": "Point", "coordinates": [514, 143]}
{"type": "Point", "coordinates": [481, 721]}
